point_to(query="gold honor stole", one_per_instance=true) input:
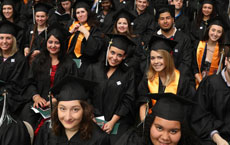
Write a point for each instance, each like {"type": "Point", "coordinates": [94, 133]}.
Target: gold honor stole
{"type": "Point", "coordinates": [215, 58]}
{"type": "Point", "coordinates": [171, 88]}
{"type": "Point", "coordinates": [77, 49]}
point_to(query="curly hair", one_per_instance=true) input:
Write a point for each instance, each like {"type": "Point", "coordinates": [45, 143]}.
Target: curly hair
{"type": "Point", "coordinates": [86, 123]}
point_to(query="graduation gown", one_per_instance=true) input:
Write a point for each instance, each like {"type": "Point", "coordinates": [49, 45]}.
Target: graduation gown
{"type": "Point", "coordinates": [213, 98]}
{"type": "Point", "coordinates": [14, 71]}
{"type": "Point", "coordinates": [47, 137]}
{"type": "Point", "coordinates": [144, 26]}
{"type": "Point", "coordinates": [197, 32]}
{"type": "Point", "coordinates": [90, 49]}
{"type": "Point", "coordinates": [114, 95]}
{"type": "Point", "coordinates": [14, 134]}
{"type": "Point", "coordinates": [39, 39]}
{"type": "Point", "coordinates": [182, 23]}
{"type": "Point", "coordinates": [106, 21]}
{"type": "Point", "coordinates": [183, 88]}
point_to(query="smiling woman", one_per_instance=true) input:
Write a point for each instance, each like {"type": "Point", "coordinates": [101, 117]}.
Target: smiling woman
{"type": "Point", "coordinates": [162, 76]}
{"type": "Point", "coordinates": [207, 52]}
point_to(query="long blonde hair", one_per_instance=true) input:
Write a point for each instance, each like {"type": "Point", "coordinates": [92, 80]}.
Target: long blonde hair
{"type": "Point", "coordinates": [14, 47]}
{"type": "Point", "coordinates": [168, 70]}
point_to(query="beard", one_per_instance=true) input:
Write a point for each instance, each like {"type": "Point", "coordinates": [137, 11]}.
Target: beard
{"type": "Point", "coordinates": [167, 29]}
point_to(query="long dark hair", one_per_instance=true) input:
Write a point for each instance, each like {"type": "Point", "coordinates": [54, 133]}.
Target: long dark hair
{"type": "Point", "coordinates": [200, 15]}
{"type": "Point", "coordinates": [221, 40]}
{"type": "Point", "coordinates": [187, 135]}
{"type": "Point", "coordinates": [43, 60]}
{"type": "Point", "coordinates": [86, 123]}
{"type": "Point", "coordinates": [15, 14]}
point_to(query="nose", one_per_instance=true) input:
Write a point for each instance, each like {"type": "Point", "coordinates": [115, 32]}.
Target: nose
{"type": "Point", "coordinates": [165, 136]}
{"type": "Point", "coordinates": [68, 115]}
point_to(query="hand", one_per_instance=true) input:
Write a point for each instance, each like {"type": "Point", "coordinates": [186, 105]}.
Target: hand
{"type": "Point", "coordinates": [108, 127]}
{"type": "Point", "coordinates": [54, 100]}
{"type": "Point", "coordinates": [33, 55]}
{"type": "Point", "coordinates": [38, 101]}
{"type": "Point", "coordinates": [198, 78]}
{"type": "Point", "coordinates": [26, 51]}
{"type": "Point", "coordinates": [75, 28]}
{"type": "Point", "coordinates": [219, 140]}
{"type": "Point", "coordinates": [83, 30]}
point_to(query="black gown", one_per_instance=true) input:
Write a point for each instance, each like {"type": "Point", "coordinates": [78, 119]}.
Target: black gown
{"type": "Point", "coordinates": [213, 98]}
{"type": "Point", "coordinates": [197, 32]}
{"type": "Point", "coordinates": [14, 71]}
{"type": "Point", "coordinates": [39, 39]}
{"type": "Point", "coordinates": [47, 137]}
{"type": "Point", "coordinates": [106, 21]}
{"type": "Point", "coordinates": [182, 23]}
{"type": "Point", "coordinates": [14, 133]}
{"type": "Point", "coordinates": [144, 26]}
{"type": "Point", "coordinates": [114, 95]}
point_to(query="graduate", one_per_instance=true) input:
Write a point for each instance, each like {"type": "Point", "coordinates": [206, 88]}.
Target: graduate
{"type": "Point", "coordinates": [13, 66]}
{"type": "Point", "coordinates": [162, 76]}
{"type": "Point", "coordinates": [207, 52]}
{"type": "Point", "coordinates": [105, 16]}
{"type": "Point", "coordinates": [114, 96]}
{"type": "Point", "coordinates": [86, 41]}
{"type": "Point", "coordinates": [182, 52]}
{"type": "Point", "coordinates": [48, 68]}
{"type": "Point", "coordinates": [167, 123]}
{"type": "Point", "coordinates": [36, 33]}
{"type": "Point", "coordinates": [72, 121]}
{"type": "Point", "coordinates": [200, 24]}
{"type": "Point", "coordinates": [211, 119]}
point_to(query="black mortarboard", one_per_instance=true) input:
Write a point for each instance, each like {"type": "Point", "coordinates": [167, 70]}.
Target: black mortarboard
{"type": "Point", "coordinates": [44, 7]}
{"type": "Point", "coordinates": [165, 8]}
{"type": "Point", "coordinates": [220, 21]}
{"type": "Point", "coordinates": [8, 2]}
{"type": "Point", "coordinates": [170, 106]}
{"type": "Point", "coordinates": [72, 88]}
{"type": "Point", "coordinates": [64, 0]}
{"type": "Point", "coordinates": [123, 13]}
{"type": "Point", "coordinates": [7, 27]}
{"type": "Point", "coordinates": [87, 4]}
{"type": "Point", "coordinates": [120, 41]}
{"type": "Point", "coordinates": [160, 43]}
{"type": "Point", "coordinates": [206, 2]}
{"type": "Point", "coordinates": [58, 31]}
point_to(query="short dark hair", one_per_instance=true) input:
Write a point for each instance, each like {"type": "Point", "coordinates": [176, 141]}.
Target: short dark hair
{"type": "Point", "coordinates": [86, 123]}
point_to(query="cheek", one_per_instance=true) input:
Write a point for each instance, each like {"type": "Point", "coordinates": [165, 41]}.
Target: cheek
{"type": "Point", "coordinates": [176, 138]}
{"type": "Point", "coordinates": [154, 134]}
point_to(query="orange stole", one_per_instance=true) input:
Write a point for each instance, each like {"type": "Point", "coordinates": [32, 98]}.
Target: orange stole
{"type": "Point", "coordinates": [77, 48]}
{"type": "Point", "coordinates": [215, 58]}
{"type": "Point", "coordinates": [171, 88]}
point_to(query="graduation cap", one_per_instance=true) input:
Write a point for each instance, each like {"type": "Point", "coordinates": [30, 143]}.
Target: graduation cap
{"type": "Point", "coordinates": [207, 2]}
{"type": "Point", "coordinates": [123, 13]}
{"type": "Point", "coordinates": [165, 8]}
{"type": "Point", "coordinates": [7, 27]}
{"type": "Point", "coordinates": [170, 106]}
{"type": "Point", "coordinates": [160, 43]}
{"type": "Point", "coordinates": [72, 88]}
{"type": "Point", "coordinates": [87, 4]}
{"type": "Point", "coordinates": [8, 2]}
{"type": "Point", "coordinates": [220, 21]}
{"type": "Point", "coordinates": [44, 7]}
{"type": "Point", "coordinates": [120, 41]}
{"type": "Point", "coordinates": [64, 0]}
{"type": "Point", "coordinates": [58, 31]}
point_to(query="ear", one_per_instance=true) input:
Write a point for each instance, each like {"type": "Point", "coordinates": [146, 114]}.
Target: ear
{"type": "Point", "coordinates": [225, 62]}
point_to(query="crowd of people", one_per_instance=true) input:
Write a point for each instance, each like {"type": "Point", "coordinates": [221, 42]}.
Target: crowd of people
{"type": "Point", "coordinates": [115, 72]}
